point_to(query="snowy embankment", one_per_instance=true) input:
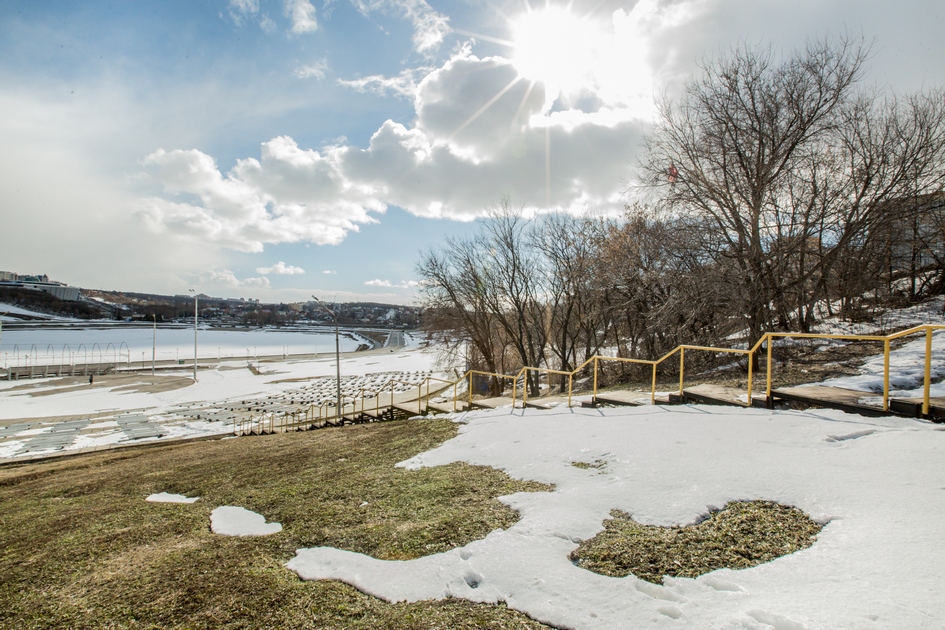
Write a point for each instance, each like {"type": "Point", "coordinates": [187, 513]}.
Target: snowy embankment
{"type": "Point", "coordinates": [11, 311]}
{"type": "Point", "coordinates": [877, 484]}
{"type": "Point", "coordinates": [906, 371]}
{"type": "Point", "coordinates": [928, 312]}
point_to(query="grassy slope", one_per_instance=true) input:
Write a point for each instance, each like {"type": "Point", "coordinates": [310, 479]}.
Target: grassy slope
{"type": "Point", "coordinates": [80, 547]}
{"type": "Point", "coordinates": [743, 534]}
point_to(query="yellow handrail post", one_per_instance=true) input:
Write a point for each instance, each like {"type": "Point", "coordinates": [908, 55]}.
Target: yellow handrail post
{"type": "Point", "coordinates": [886, 375]}
{"type": "Point", "coordinates": [653, 388]}
{"type": "Point", "coordinates": [682, 367]}
{"type": "Point", "coordinates": [751, 359]}
{"type": "Point", "coordinates": [470, 389]}
{"type": "Point", "coordinates": [454, 396]}
{"type": "Point", "coordinates": [570, 386]}
{"type": "Point", "coordinates": [928, 371]}
{"type": "Point", "coordinates": [768, 386]}
{"type": "Point", "coordinates": [524, 389]}
{"type": "Point", "coordinates": [420, 399]}
{"type": "Point", "coordinates": [595, 380]}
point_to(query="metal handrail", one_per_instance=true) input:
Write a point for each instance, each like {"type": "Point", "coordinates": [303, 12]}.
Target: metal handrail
{"type": "Point", "coordinates": [886, 339]}
{"type": "Point", "coordinates": [525, 370]}
{"type": "Point", "coordinates": [767, 340]}
{"type": "Point", "coordinates": [469, 374]}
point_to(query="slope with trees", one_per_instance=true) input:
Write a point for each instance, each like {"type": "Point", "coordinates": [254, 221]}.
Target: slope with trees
{"type": "Point", "coordinates": [773, 187]}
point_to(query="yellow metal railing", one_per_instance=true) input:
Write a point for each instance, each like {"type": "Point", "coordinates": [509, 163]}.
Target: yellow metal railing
{"type": "Point", "coordinates": [927, 329]}
{"type": "Point", "coordinates": [311, 415]}
{"type": "Point", "coordinates": [470, 375]}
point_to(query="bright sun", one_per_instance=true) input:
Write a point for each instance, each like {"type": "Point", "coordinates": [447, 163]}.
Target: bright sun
{"type": "Point", "coordinates": [556, 48]}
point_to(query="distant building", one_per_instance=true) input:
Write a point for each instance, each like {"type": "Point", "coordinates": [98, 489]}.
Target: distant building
{"type": "Point", "coordinates": [39, 283]}
{"type": "Point", "coordinates": [35, 279]}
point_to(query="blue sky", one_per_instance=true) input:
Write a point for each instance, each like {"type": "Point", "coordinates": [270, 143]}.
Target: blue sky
{"type": "Point", "coordinates": [279, 148]}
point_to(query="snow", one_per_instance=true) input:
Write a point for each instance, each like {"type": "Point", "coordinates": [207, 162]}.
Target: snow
{"type": "Point", "coordinates": [906, 371]}
{"type": "Point", "coordinates": [166, 497]}
{"type": "Point", "coordinates": [876, 483]}
{"type": "Point", "coordinates": [236, 521]}
{"type": "Point", "coordinates": [17, 310]}
{"type": "Point", "coordinates": [225, 383]}
{"type": "Point", "coordinates": [928, 312]}
{"type": "Point", "coordinates": [124, 344]}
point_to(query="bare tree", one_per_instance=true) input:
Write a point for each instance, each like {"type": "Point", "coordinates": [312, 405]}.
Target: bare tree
{"type": "Point", "coordinates": [455, 302]}
{"type": "Point", "coordinates": [576, 300]}
{"type": "Point", "coordinates": [490, 288]}
{"type": "Point", "coordinates": [738, 143]}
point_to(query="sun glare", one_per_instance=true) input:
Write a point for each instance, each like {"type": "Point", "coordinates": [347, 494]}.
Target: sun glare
{"type": "Point", "coordinates": [556, 48]}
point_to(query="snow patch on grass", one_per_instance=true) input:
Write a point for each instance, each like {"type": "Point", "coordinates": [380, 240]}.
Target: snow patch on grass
{"type": "Point", "coordinates": [165, 497]}
{"type": "Point", "coordinates": [236, 521]}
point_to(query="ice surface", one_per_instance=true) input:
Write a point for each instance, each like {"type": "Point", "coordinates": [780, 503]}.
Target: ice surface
{"type": "Point", "coordinates": [165, 497]}
{"type": "Point", "coordinates": [877, 484]}
{"type": "Point", "coordinates": [125, 344]}
{"type": "Point", "coordinates": [236, 521]}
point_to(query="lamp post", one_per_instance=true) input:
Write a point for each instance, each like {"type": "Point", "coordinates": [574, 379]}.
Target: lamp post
{"type": "Point", "coordinates": [337, 361]}
{"type": "Point", "coordinates": [153, 342]}
{"type": "Point", "coordinates": [195, 333]}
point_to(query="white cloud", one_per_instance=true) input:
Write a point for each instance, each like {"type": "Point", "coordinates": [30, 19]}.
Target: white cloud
{"type": "Point", "coordinates": [226, 279]}
{"type": "Point", "coordinates": [267, 24]}
{"type": "Point", "coordinates": [302, 14]}
{"type": "Point", "coordinates": [289, 195]}
{"type": "Point", "coordinates": [239, 9]}
{"type": "Point", "coordinates": [255, 283]}
{"type": "Point", "coordinates": [280, 268]}
{"type": "Point", "coordinates": [329, 272]}
{"type": "Point", "coordinates": [404, 84]}
{"type": "Point", "coordinates": [429, 26]}
{"type": "Point", "coordinates": [481, 132]}
{"type": "Point", "coordinates": [406, 284]}
{"type": "Point", "coordinates": [315, 70]}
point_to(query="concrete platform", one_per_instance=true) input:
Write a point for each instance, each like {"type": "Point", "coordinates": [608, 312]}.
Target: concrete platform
{"type": "Point", "coordinates": [913, 407]}
{"type": "Point", "coordinates": [447, 407]}
{"type": "Point", "coordinates": [491, 403]}
{"type": "Point", "coordinates": [618, 398]}
{"type": "Point", "coordinates": [833, 398]}
{"type": "Point", "coordinates": [709, 394]}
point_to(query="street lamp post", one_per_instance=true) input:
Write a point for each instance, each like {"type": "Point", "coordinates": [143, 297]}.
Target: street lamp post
{"type": "Point", "coordinates": [195, 334]}
{"type": "Point", "coordinates": [337, 361]}
{"type": "Point", "coordinates": [153, 342]}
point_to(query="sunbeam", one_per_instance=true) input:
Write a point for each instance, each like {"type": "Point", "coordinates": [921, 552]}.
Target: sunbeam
{"type": "Point", "coordinates": [482, 109]}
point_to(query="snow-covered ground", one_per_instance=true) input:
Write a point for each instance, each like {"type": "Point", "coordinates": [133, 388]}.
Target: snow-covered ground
{"type": "Point", "coordinates": [878, 485]}
{"type": "Point", "coordinates": [906, 371]}
{"type": "Point", "coordinates": [130, 411]}
{"type": "Point", "coordinates": [230, 520]}
{"type": "Point", "coordinates": [929, 312]}
{"type": "Point", "coordinates": [16, 310]}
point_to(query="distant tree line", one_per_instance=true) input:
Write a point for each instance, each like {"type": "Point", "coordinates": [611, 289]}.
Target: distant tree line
{"type": "Point", "coordinates": [772, 188]}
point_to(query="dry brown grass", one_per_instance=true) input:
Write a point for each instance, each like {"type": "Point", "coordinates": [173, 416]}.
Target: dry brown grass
{"type": "Point", "coordinates": [80, 547]}
{"type": "Point", "coordinates": [741, 535]}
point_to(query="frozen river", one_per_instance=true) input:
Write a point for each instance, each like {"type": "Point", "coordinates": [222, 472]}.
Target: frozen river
{"type": "Point", "coordinates": [132, 344]}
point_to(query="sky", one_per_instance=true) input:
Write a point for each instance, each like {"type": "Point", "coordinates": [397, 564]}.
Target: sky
{"type": "Point", "coordinates": [278, 149]}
